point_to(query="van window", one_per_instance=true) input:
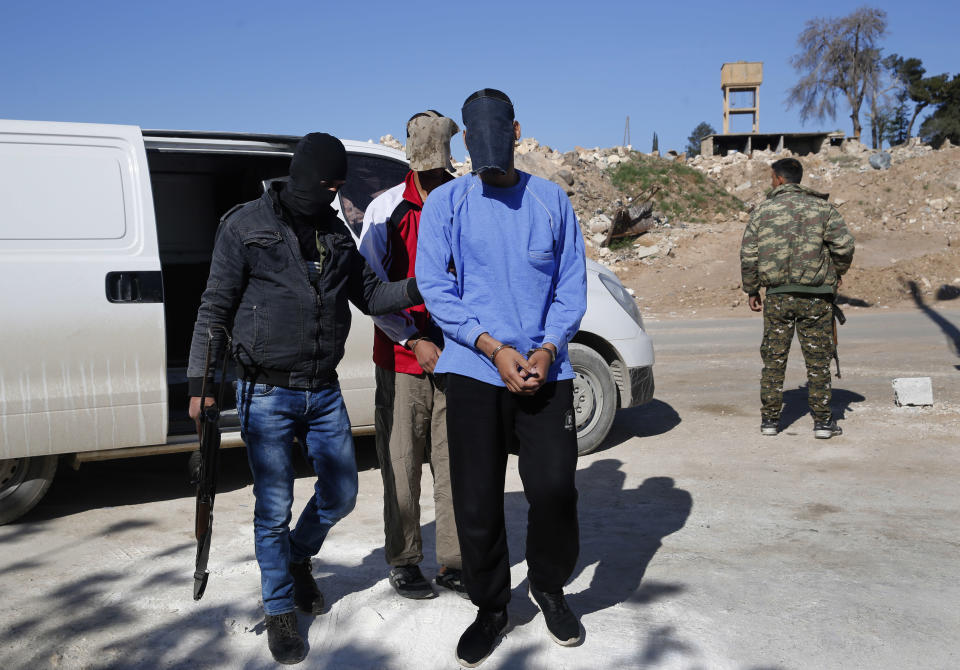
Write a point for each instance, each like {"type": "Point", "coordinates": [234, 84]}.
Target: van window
{"type": "Point", "coordinates": [61, 192]}
{"type": "Point", "coordinates": [367, 177]}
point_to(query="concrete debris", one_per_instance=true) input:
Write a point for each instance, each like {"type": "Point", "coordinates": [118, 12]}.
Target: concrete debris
{"type": "Point", "coordinates": [913, 391]}
{"type": "Point", "coordinates": [939, 204]}
{"type": "Point", "coordinates": [644, 252]}
{"type": "Point", "coordinates": [599, 224]}
{"type": "Point", "coordinates": [880, 161]}
{"type": "Point", "coordinates": [566, 176]}
{"type": "Point", "coordinates": [633, 220]}
{"type": "Point", "coordinates": [854, 147]}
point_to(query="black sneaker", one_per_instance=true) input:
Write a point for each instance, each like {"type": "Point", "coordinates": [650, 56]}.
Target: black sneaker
{"type": "Point", "coordinates": [561, 623]}
{"type": "Point", "coordinates": [481, 637]}
{"type": "Point", "coordinates": [769, 427]}
{"type": "Point", "coordinates": [452, 579]}
{"type": "Point", "coordinates": [824, 430]}
{"type": "Point", "coordinates": [408, 581]}
{"type": "Point", "coordinates": [306, 593]}
{"type": "Point", "coordinates": [284, 639]}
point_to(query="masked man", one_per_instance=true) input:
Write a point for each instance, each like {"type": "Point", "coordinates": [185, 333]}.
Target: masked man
{"type": "Point", "coordinates": [410, 406]}
{"type": "Point", "coordinates": [512, 303]}
{"type": "Point", "coordinates": [284, 267]}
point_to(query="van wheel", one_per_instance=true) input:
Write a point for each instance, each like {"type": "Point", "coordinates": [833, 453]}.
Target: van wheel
{"type": "Point", "coordinates": [594, 397]}
{"type": "Point", "coordinates": [23, 481]}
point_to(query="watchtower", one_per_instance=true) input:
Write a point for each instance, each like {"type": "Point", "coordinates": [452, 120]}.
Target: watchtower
{"type": "Point", "coordinates": [741, 77]}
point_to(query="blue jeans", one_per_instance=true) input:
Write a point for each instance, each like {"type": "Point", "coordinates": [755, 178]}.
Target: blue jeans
{"type": "Point", "coordinates": [270, 418]}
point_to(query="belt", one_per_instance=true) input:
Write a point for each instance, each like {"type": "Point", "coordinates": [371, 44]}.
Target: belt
{"type": "Point", "coordinates": [281, 378]}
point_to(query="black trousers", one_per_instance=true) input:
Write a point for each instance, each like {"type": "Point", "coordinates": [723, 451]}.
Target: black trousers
{"type": "Point", "coordinates": [482, 421]}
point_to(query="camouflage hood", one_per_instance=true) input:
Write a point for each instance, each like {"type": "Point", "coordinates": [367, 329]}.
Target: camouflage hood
{"type": "Point", "coordinates": [797, 240]}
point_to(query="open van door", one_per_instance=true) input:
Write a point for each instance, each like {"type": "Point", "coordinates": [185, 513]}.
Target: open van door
{"type": "Point", "coordinates": [82, 359]}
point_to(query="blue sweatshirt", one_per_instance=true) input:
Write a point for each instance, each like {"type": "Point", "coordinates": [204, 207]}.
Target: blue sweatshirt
{"type": "Point", "coordinates": [520, 270]}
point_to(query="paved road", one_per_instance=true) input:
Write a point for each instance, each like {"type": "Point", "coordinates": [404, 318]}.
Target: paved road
{"type": "Point", "coordinates": [704, 544]}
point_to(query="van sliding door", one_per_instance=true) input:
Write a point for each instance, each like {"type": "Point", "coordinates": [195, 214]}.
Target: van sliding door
{"type": "Point", "coordinates": [82, 360]}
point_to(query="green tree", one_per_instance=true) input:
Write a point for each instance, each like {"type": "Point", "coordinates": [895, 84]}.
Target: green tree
{"type": "Point", "coordinates": [656, 144]}
{"type": "Point", "coordinates": [924, 92]}
{"type": "Point", "coordinates": [944, 123]}
{"type": "Point", "coordinates": [837, 57]}
{"type": "Point", "coordinates": [896, 130]}
{"type": "Point", "coordinates": [701, 130]}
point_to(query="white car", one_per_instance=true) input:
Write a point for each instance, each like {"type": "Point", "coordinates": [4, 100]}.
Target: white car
{"type": "Point", "coordinates": [106, 234]}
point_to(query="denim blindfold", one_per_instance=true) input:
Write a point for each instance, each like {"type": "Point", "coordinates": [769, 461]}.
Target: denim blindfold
{"type": "Point", "coordinates": [489, 123]}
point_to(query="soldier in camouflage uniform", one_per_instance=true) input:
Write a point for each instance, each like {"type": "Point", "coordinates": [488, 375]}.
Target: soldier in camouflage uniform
{"type": "Point", "coordinates": [797, 247]}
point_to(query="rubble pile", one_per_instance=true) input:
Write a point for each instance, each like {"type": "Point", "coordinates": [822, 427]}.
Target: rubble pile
{"type": "Point", "coordinates": [903, 208]}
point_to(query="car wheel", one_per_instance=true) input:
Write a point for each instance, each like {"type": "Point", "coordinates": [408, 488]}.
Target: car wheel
{"type": "Point", "coordinates": [594, 397]}
{"type": "Point", "coordinates": [23, 481]}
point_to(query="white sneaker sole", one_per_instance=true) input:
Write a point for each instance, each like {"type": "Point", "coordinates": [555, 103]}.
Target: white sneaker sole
{"type": "Point", "coordinates": [566, 643]}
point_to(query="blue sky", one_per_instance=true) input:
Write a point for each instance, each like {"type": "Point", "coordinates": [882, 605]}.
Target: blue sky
{"type": "Point", "coordinates": [574, 70]}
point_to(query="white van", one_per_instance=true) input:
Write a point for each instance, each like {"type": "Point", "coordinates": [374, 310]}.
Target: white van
{"type": "Point", "coordinates": [106, 234]}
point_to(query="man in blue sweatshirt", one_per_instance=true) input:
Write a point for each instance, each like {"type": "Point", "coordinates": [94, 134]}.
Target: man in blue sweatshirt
{"type": "Point", "coordinates": [501, 267]}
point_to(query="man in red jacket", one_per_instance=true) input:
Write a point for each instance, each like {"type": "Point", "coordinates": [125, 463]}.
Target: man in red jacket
{"type": "Point", "coordinates": [410, 404]}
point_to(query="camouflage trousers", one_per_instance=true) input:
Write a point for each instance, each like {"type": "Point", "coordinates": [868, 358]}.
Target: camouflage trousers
{"type": "Point", "coordinates": [813, 318]}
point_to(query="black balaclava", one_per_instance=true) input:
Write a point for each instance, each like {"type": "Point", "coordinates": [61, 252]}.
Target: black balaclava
{"type": "Point", "coordinates": [488, 117]}
{"type": "Point", "coordinates": [318, 160]}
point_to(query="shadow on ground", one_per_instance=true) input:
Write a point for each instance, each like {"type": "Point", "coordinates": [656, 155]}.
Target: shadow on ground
{"type": "Point", "coordinates": [621, 530]}
{"type": "Point", "coordinates": [653, 418]}
{"type": "Point", "coordinates": [134, 481]}
{"type": "Point", "coordinates": [951, 332]}
{"type": "Point", "coordinates": [795, 405]}
{"type": "Point", "coordinates": [131, 481]}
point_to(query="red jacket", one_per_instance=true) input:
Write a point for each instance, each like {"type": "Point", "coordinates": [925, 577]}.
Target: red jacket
{"type": "Point", "coordinates": [392, 253]}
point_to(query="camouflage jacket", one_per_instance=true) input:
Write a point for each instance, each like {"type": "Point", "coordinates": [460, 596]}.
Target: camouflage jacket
{"type": "Point", "coordinates": [795, 238]}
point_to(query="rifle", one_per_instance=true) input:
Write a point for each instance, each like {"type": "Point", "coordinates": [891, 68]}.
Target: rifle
{"type": "Point", "coordinates": [838, 315]}
{"type": "Point", "coordinates": [206, 474]}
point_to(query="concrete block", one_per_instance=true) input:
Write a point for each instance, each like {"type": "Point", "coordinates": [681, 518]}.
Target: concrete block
{"type": "Point", "coordinates": [880, 161]}
{"type": "Point", "coordinates": [916, 391]}
{"type": "Point", "coordinates": [644, 252]}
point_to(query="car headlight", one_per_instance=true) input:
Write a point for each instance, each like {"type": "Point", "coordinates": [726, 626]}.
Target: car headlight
{"type": "Point", "coordinates": [623, 298]}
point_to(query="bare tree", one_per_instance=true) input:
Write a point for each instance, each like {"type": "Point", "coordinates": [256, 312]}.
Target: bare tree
{"type": "Point", "coordinates": [883, 81]}
{"type": "Point", "coordinates": [837, 57]}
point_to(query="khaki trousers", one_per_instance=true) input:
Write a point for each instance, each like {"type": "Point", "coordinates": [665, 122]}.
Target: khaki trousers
{"type": "Point", "coordinates": [411, 423]}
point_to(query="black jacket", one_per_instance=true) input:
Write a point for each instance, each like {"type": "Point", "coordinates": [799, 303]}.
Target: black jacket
{"type": "Point", "coordinates": [286, 330]}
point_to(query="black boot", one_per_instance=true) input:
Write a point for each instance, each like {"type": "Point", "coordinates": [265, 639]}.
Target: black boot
{"type": "Point", "coordinates": [306, 593]}
{"type": "Point", "coordinates": [284, 639]}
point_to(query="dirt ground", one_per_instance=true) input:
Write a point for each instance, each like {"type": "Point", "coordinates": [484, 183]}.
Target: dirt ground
{"type": "Point", "coordinates": [900, 237]}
